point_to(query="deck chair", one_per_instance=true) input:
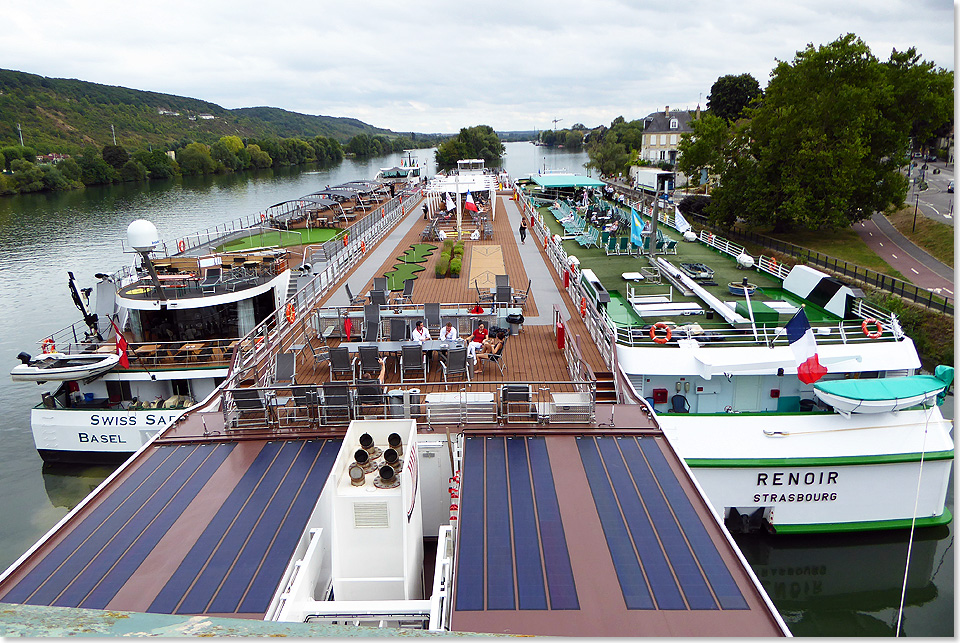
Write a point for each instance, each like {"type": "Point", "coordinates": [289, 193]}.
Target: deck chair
{"type": "Point", "coordinates": [306, 404]}
{"type": "Point", "coordinates": [378, 297]}
{"type": "Point", "coordinates": [398, 333]}
{"type": "Point", "coordinates": [407, 294]}
{"type": "Point", "coordinates": [412, 359]}
{"type": "Point", "coordinates": [495, 357]}
{"type": "Point", "coordinates": [336, 404]}
{"type": "Point", "coordinates": [340, 363]}
{"type": "Point", "coordinates": [369, 359]}
{"type": "Point", "coordinates": [370, 393]}
{"type": "Point", "coordinates": [285, 369]}
{"type": "Point", "coordinates": [503, 280]}
{"type": "Point", "coordinates": [622, 249]}
{"type": "Point", "coordinates": [251, 406]}
{"type": "Point", "coordinates": [431, 318]}
{"type": "Point", "coordinates": [371, 322]}
{"type": "Point", "coordinates": [520, 297]}
{"type": "Point", "coordinates": [679, 404]}
{"type": "Point", "coordinates": [502, 295]}
{"type": "Point", "coordinates": [379, 283]}
{"type": "Point", "coordinates": [320, 355]}
{"type": "Point", "coordinates": [611, 245]}
{"type": "Point", "coordinates": [455, 364]}
{"type": "Point", "coordinates": [354, 299]}
{"type": "Point", "coordinates": [211, 277]}
{"type": "Point", "coordinates": [482, 296]}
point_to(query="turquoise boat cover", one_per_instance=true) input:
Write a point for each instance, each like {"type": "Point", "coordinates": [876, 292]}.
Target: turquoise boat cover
{"type": "Point", "coordinates": [889, 388]}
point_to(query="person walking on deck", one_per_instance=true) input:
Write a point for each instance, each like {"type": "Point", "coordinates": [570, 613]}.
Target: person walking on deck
{"type": "Point", "coordinates": [523, 229]}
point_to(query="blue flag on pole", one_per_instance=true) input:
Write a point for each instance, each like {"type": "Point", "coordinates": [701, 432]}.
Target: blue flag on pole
{"type": "Point", "coordinates": [636, 228]}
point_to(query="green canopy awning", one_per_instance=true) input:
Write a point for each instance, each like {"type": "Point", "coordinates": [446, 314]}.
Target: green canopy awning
{"type": "Point", "coordinates": [566, 181]}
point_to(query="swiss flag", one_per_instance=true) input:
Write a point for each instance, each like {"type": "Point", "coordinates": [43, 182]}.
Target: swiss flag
{"type": "Point", "coordinates": [469, 204]}
{"type": "Point", "coordinates": [121, 346]}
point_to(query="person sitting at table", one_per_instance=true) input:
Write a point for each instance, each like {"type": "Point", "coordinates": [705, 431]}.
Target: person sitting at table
{"type": "Point", "coordinates": [479, 333]}
{"type": "Point", "coordinates": [369, 390]}
{"type": "Point", "coordinates": [448, 333]}
{"type": "Point", "coordinates": [420, 334]}
{"type": "Point", "coordinates": [493, 346]}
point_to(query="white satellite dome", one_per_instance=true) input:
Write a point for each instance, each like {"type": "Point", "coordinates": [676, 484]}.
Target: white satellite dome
{"type": "Point", "coordinates": [142, 235]}
{"type": "Point", "coordinates": [745, 261]}
{"type": "Point", "coordinates": [690, 235]}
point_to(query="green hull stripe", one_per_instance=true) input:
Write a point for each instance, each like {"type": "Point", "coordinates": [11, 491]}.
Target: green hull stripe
{"type": "Point", "coordinates": [858, 460]}
{"type": "Point", "coordinates": [875, 525]}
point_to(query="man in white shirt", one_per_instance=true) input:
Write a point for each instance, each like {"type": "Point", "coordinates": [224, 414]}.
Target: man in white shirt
{"type": "Point", "coordinates": [448, 333]}
{"type": "Point", "coordinates": [420, 334]}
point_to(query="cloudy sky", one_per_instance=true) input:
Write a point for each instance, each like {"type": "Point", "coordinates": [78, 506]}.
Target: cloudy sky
{"type": "Point", "coordinates": [437, 66]}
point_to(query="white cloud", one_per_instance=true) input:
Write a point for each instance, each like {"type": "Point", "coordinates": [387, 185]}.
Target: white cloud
{"type": "Point", "coordinates": [439, 66]}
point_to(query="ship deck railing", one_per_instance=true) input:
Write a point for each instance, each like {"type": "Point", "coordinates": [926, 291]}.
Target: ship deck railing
{"type": "Point", "coordinates": [606, 332]}
{"type": "Point", "coordinates": [290, 408]}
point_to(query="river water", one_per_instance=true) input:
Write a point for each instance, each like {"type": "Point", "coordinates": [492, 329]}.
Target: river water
{"type": "Point", "coordinates": [838, 585]}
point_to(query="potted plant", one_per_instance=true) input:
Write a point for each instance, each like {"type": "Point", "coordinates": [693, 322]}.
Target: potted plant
{"type": "Point", "coordinates": [443, 265]}
{"type": "Point", "coordinates": [455, 265]}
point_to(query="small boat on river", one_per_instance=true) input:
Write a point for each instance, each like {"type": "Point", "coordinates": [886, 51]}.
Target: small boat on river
{"type": "Point", "coordinates": [60, 367]}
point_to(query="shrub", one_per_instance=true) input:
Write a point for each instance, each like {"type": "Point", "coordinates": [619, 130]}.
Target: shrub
{"type": "Point", "coordinates": [455, 266]}
{"type": "Point", "coordinates": [458, 249]}
{"type": "Point", "coordinates": [442, 267]}
{"type": "Point", "coordinates": [448, 246]}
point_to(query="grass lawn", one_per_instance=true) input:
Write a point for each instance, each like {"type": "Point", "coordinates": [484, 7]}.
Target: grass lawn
{"type": "Point", "coordinates": [275, 238]}
{"type": "Point", "coordinates": [400, 273]}
{"type": "Point", "coordinates": [933, 236]}
{"type": "Point", "coordinates": [841, 244]}
{"type": "Point", "coordinates": [417, 253]}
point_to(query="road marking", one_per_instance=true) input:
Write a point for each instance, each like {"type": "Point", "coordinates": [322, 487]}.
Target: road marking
{"type": "Point", "coordinates": [914, 271]}
{"type": "Point", "coordinates": [894, 256]}
{"type": "Point", "coordinates": [881, 244]}
{"type": "Point", "coordinates": [948, 291]}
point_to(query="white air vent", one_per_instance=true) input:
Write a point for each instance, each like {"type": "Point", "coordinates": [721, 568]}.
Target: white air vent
{"type": "Point", "coordinates": [370, 514]}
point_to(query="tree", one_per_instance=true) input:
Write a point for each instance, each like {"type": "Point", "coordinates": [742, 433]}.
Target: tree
{"type": "Point", "coordinates": [115, 155]}
{"type": "Point", "coordinates": [478, 142]}
{"type": "Point", "coordinates": [225, 156]}
{"type": "Point", "coordinates": [822, 150]}
{"type": "Point", "coordinates": [258, 158]}
{"type": "Point", "coordinates": [731, 94]}
{"type": "Point", "coordinates": [69, 169]}
{"type": "Point", "coordinates": [26, 176]}
{"type": "Point", "coordinates": [704, 147]}
{"type": "Point", "coordinates": [93, 169]}
{"type": "Point", "coordinates": [133, 171]}
{"type": "Point", "coordinates": [195, 159]}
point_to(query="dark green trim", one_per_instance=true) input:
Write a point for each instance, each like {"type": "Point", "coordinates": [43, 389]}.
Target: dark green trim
{"type": "Point", "coordinates": [875, 525]}
{"type": "Point", "coordinates": [839, 461]}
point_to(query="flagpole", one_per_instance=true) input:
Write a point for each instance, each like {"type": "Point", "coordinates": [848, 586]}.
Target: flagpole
{"type": "Point", "coordinates": [456, 183]}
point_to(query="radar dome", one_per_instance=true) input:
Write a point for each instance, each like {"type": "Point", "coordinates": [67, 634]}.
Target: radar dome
{"type": "Point", "coordinates": [690, 235]}
{"type": "Point", "coordinates": [142, 235]}
{"type": "Point", "coordinates": [745, 261]}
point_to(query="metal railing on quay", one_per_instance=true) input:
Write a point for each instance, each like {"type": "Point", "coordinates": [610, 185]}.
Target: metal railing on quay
{"type": "Point", "coordinates": [332, 405]}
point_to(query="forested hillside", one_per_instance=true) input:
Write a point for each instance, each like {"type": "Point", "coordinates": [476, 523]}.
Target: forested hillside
{"type": "Point", "coordinates": [64, 115]}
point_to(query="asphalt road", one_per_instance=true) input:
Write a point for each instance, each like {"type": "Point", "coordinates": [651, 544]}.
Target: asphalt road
{"type": "Point", "coordinates": [934, 202]}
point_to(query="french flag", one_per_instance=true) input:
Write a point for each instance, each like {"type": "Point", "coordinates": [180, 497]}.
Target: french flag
{"type": "Point", "coordinates": [804, 346]}
{"type": "Point", "coordinates": [469, 204]}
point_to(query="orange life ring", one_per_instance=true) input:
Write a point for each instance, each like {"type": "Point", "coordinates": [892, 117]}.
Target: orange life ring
{"type": "Point", "coordinates": [866, 328]}
{"type": "Point", "coordinates": [181, 246]}
{"type": "Point", "coordinates": [773, 263]}
{"type": "Point", "coordinates": [546, 240]}
{"type": "Point", "coordinates": [363, 246]}
{"type": "Point", "coordinates": [291, 313]}
{"type": "Point", "coordinates": [583, 306]}
{"type": "Point", "coordinates": [345, 241]}
{"type": "Point", "coordinates": [263, 217]}
{"type": "Point", "coordinates": [660, 339]}
{"type": "Point", "coordinates": [48, 346]}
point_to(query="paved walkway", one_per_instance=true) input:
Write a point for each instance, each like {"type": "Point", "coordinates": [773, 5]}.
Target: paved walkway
{"type": "Point", "coordinates": [915, 264]}
{"type": "Point", "coordinates": [537, 270]}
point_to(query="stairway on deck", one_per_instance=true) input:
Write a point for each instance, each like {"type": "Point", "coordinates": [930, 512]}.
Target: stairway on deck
{"type": "Point", "coordinates": [606, 387]}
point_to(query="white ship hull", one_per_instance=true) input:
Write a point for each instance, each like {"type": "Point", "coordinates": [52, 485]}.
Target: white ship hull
{"type": "Point", "coordinates": [96, 435]}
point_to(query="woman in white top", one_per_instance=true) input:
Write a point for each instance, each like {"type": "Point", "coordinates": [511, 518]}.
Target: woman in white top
{"type": "Point", "coordinates": [449, 333]}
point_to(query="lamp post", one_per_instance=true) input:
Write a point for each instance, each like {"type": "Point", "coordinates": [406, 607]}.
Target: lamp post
{"type": "Point", "coordinates": [916, 207]}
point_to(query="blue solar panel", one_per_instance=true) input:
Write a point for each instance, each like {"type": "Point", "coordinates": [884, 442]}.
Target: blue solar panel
{"type": "Point", "coordinates": [530, 591]}
{"type": "Point", "coordinates": [684, 566]}
{"type": "Point", "coordinates": [251, 554]}
{"type": "Point", "coordinates": [719, 577]}
{"type": "Point", "coordinates": [173, 592]}
{"type": "Point", "coordinates": [261, 591]}
{"type": "Point", "coordinates": [632, 585]}
{"type": "Point", "coordinates": [211, 578]}
{"type": "Point", "coordinates": [75, 563]}
{"type": "Point", "coordinates": [470, 547]}
{"type": "Point", "coordinates": [652, 560]}
{"type": "Point", "coordinates": [23, 591]}
{"type": "Point", "coordinates": [556, 557]}
{"type": "Point", "coordinates": [500, 594]}
{"type": "Point", "coordinates": [134, 544]}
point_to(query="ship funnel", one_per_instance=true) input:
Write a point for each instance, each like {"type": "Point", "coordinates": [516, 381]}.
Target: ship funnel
{"type": "Point", "coordinates": [391, 458]}
{"type": "Point", "coordinates": [387, 479]}
{"type": "Point", "coordinates": [363, 460]}
{"type": "Point", "coordinates": [142, 236]}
